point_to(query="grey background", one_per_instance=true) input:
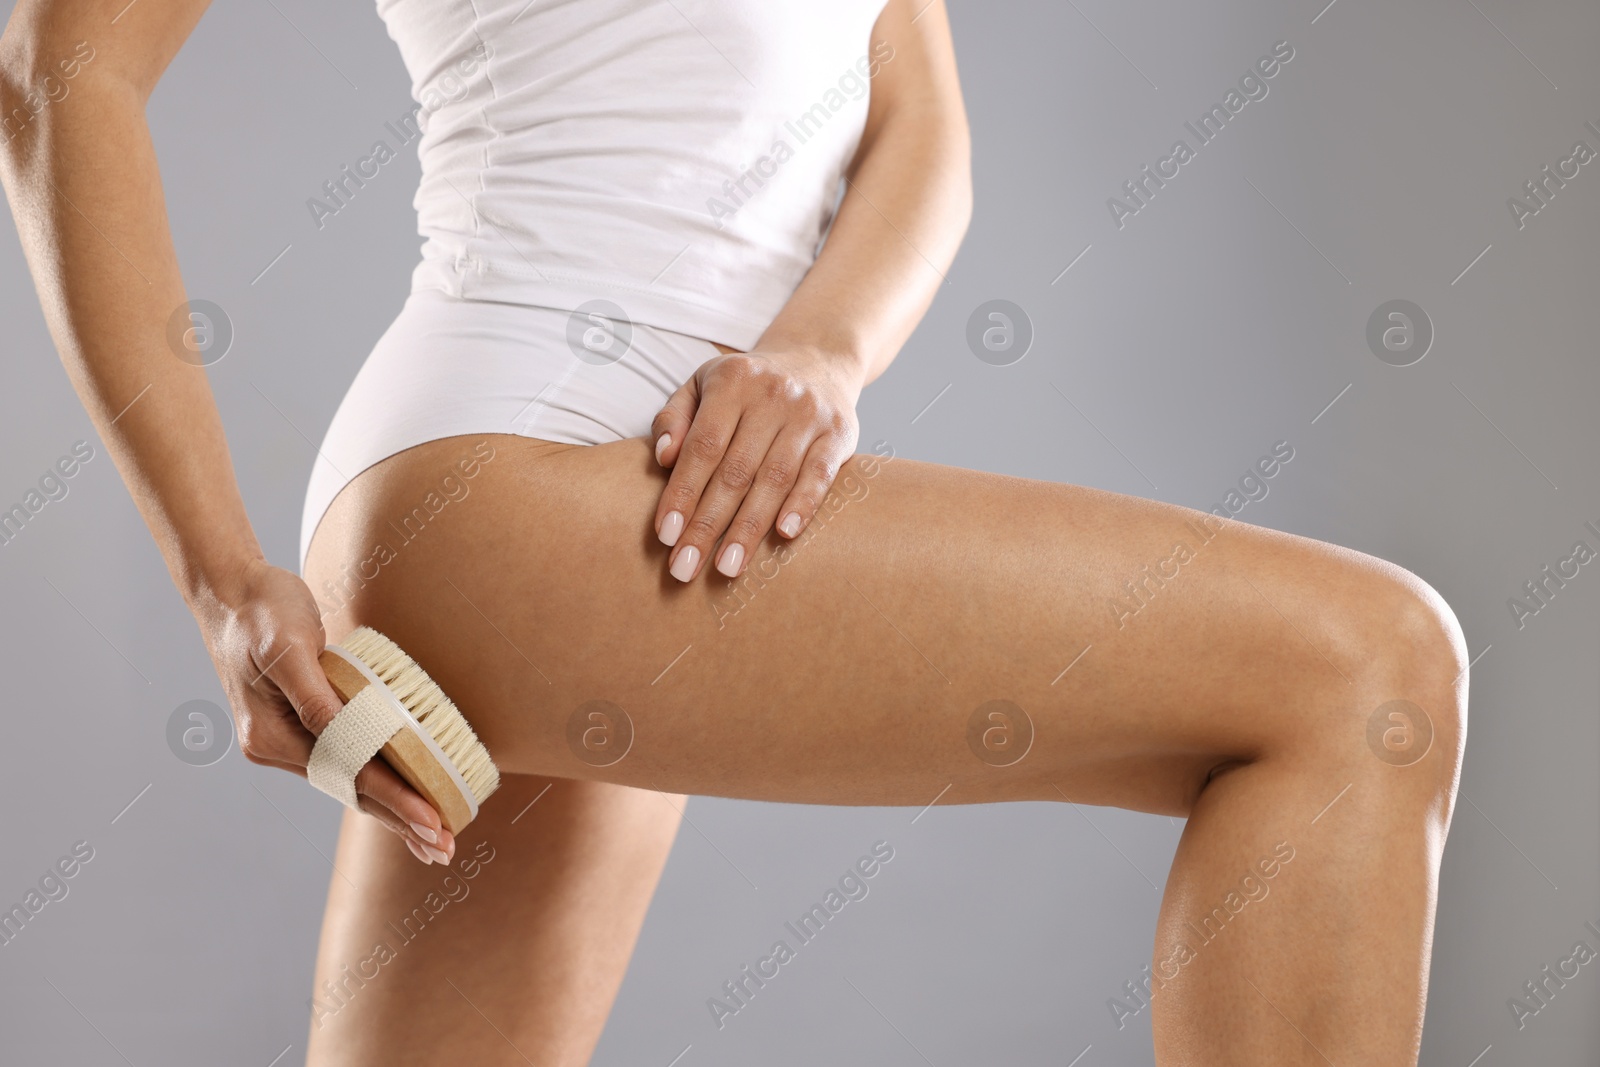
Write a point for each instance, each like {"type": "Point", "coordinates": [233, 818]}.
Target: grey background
{"type": "Point", "coordinates": [1221, 319]}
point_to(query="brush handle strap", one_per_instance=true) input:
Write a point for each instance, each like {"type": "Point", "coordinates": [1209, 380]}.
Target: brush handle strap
{"type": "Point", "coordinates": [362, 727]}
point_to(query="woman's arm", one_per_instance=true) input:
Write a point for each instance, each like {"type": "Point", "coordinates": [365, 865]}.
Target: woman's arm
{"type": "Point", "coordinates": [905, 209]}
{"type": "Point", "coordinates": [754, 437]}
{"type": "Point", "coordinates": [80, 172]}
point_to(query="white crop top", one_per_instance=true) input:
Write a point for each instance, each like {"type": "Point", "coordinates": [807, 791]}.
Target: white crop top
{"type": "Point", "coordinates": [680, 159]}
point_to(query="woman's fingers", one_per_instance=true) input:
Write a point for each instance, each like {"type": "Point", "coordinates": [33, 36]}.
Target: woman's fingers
{"type": "Point", "coordinates": [763, 445]}
{"type": "Point", "coordinates": [270, 731]}
{"type": "Point", "coordinates": [730, 481]}
{"type": "Point", "coordinates": [293, 668]}
{"type": "Point", "coordinates": [817, 472]}
{"type": "Point", "coordinates": [383, 793]}
{"type": "Point", "coordinates": [265, 637]}
{"type": "Point", "coordinates": [671, 424]}
{"type": "Point", "coordinates": [774, 485]}
{"type": "Point", "coordinates": [375, 797]}
{"type": "Point", "coordinates": [704, 447]}
{"type": "Point", "coordinates": [672, 428]}
{"type": "Point", "coordinates": [297, 674]}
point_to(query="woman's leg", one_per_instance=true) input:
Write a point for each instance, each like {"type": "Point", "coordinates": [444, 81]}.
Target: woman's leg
{"type": "Point", "coordinates": [1150, 657]}
{"type": "Point", "coordinates": [511, 954]}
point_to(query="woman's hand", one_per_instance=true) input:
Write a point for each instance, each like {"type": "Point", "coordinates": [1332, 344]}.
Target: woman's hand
{"type": "Point", "coordinates": [757, 439]}
{"type": "Point", "coordinates": [754, 441]}
{"type": "Point", "coordinates": [264, 635]}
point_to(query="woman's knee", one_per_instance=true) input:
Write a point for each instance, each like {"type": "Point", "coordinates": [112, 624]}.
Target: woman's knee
{"type": "Point", "coordinates": [1404, 658]}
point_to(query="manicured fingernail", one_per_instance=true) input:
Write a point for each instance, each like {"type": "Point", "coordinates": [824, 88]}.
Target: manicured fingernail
{"type": "Point", "coordinates": [732, 556]}
{"type": "Point", "coordinates": [790, 524]}
{"type": "Point", "coordinates": [425, 833]}
{"type": "Point", "coordinates": [661, 445]}
{"type": "Point", "coordinates": [671, 528]}
{"type": "Point", "coordinates": [416, 850]}
{"type": "Point", "coordinates": [435, 855]}
{"type": "Point", "coordinates": [683, 566]}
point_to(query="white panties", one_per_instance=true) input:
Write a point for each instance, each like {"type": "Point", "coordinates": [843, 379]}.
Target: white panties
{"type": "Point", "coordinates": [449, 366]}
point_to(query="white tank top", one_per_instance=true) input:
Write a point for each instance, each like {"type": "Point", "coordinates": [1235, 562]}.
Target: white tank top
{"type": "Point", "coordinates": [679, 159]}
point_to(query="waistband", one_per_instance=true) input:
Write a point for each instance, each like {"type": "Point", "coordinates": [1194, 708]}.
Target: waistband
{"type": "Point", "coordinates": [474, 277]}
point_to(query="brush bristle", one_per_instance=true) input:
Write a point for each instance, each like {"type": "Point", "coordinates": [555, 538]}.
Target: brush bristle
{"type": "Point", "coordinates": [426, 701]}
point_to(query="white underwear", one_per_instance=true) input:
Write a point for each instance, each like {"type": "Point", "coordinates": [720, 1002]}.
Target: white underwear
{"type": "Point", "coordinates": [449, 366]}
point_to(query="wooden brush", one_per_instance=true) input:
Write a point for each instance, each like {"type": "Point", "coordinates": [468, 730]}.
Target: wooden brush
{"type": "Point", "coordinates": [435, 750]}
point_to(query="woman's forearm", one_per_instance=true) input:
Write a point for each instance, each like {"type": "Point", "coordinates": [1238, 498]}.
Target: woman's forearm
{"type": "Point", "coordinates": [84, 188]}
{"type": "Point", "coordinates": [903, 215]}
{"type": "Point", "coordinates": [905, 208]}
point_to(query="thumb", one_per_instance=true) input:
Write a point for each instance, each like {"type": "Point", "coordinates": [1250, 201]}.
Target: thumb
{"type": "Point", "coordinates": [299, 676]}
{"type": "Point", "coordinates": [671, 424]}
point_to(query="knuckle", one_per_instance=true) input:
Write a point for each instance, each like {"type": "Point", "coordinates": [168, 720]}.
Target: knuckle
{"type": "Point", "coordinates": [732, 370]}
{"type": "Point", "coordinates": [823, 467]}
{"type": "Point", "coordinates": [777, 474]}
{"type": "Point", "coordinates": [707, 445]}
{"type": "Point", "coordinates": [377, 809]}
{"type": "Point", "coordinates": [252, 748]}
{"type": "Point", "coordinates": [736, 472]}
{"type": "Point", "coordinates": [367, 779]}
{"type": "Point", "coordinates": [317, 712]}
{"type": "Point", "coordinates": [703, 528]}
{"type": "Point", "coordinates": [677, 409]}
{"type": "Point", "coordinates": [682, 499]}
{"type": "Point", "coordinates": [747, 529]}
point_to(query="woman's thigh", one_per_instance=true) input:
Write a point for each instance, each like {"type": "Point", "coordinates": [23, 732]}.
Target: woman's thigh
{"type": "Point", "coordinates": [934, 631]}
{"type": "Point", "coordinates": [513, 953]}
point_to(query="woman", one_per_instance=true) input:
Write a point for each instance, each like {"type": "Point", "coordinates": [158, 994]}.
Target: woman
{"type": "Point", "coordinates": [600, 475]}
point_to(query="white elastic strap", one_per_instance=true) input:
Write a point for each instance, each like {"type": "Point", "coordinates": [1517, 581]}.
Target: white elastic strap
{"type": "Point", "coordinates": [355, 735]}
{"type": "Point", "coordinates": [417, 729]}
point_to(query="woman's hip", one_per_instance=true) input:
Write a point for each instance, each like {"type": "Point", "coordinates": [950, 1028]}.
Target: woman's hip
{"type": "Point", "coordinates": [449, 367]}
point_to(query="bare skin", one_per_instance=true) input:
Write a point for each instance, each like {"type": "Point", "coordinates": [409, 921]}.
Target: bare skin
{"type": "Point", "coordinates": [81, 178]}
{"type": "Point", "coordinates": [1239, 695]}
{"type": "Point", "coordinates": [519, 952]}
